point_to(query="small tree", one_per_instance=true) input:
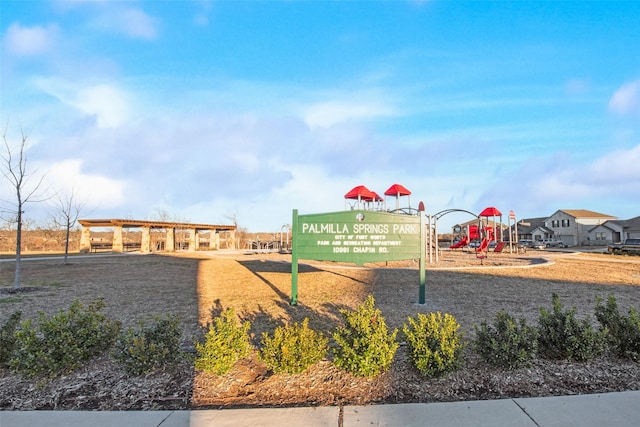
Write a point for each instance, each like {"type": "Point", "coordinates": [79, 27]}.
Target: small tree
{"type": "Point", "coordinates": [562, 336]}
{"type": "Point", "coordinates": [68, 208]}
{"type": "Point", "coordinates": [435, 343]}
{"type": "Point", "coordinates": [14, 169]}
{"type": "Point", "coordinates": [507, 342]}
{"type": "Point", "coordinates": [364, 345]}
{"type": "Point", "coordinates": [226, 342]}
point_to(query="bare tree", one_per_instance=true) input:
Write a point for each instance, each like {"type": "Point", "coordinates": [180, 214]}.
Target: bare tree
{"type": "Point", "coordinates": [14, 169]}
{"type": "Point", "coordinates": [68, 209]}
{"type": "Point", "coordinates": [240, 233]}
{"type": "Point", "coordinates": [163, 215]}
{"type": "Point", "coordinates": [181, 236]}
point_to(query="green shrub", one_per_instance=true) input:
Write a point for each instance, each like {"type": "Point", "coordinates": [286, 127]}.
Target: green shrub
{"type": "Point", "coordinates": [365, 347]}
{"type": "Point", "coordinates": [8, 338]}
{"type": "Point", "coordinates": [140, 351]}
{"type": "Point", "coordinates": [623, 331]}
{"type": "Point", "coordinates": [563, 336]}
{"type": "Point", "coordinates": [293, 348]}
{"type": "Point", "coordinates": [507, 343]}
{"type": "Point", "coordinates": [60, 343]}
{"type": "Point", "coordinates": [226, 342]}
{"type": "Point", "coordinates": [434, 343]}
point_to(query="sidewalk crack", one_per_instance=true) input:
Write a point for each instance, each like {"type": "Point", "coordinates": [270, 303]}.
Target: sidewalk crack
{"type": "Point", "coordinates": [165, 418]}
{"type": "Point", "coordinates": [525, 411]}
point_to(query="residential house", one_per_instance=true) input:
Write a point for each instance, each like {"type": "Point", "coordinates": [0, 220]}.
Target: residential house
{"type": "Point", "coordinates": [574, 226]}
{"type": "Point", "coordinates": [532, 229]}
{"type": "Point", "coordinates": [613, 231]}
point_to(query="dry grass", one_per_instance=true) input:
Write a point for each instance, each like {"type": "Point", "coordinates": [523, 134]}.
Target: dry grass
{"type": "Point", "coordinates": [198, 286]}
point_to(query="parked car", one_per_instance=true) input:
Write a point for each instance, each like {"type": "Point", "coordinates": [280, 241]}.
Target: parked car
{"type": "Point", "coordinates": [538, 244]}
{"type": "Point", "coordinates": [630, 246]}
{"type": "Point", "coordinates": [525, 243]}
{"type": "Point", "coordinates": [552, 243]}
{"type": "Point", "coordinates": [474, 244]}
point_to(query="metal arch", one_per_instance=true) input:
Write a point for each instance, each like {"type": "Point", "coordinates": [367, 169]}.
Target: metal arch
{"type": "Point", "coordinates": [406, 211]}
{"type": "Point", "coordinates": [448, 211]}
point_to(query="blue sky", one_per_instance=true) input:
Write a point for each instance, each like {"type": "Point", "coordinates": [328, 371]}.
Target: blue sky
{"type": "Point", "coordinates": [212, 109]}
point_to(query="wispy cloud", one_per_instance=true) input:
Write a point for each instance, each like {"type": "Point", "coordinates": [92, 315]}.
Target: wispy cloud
{"type": "Point", "coordinates": [107, 103]}
{"type": "Point", "coordinates": [137, 24]}
{"type": "Point", "coordinates": [30, 41]}
{"type": "Point", "coordinates": [626, 100]}
{"type": "Point", "coordinates": [559, 181]}
{"type": "Point", "coordinates": [94, 190]}
{"type": "Point", "coordinates": [326, 114]}
{"type": "Point", "coordinates": [577, 86]}
{"type": "Point", "coordinates": [129, 21]}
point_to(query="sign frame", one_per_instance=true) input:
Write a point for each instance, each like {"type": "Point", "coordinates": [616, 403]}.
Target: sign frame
{"type": "Point", "coordinates": [358, 236]}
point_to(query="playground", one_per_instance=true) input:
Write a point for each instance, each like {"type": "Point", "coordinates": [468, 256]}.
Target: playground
{"type": "Point", "coordinates": [483, 235]}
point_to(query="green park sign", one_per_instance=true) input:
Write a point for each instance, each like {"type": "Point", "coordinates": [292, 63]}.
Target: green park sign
{"type": "Point", "coordinates": [358, 237]}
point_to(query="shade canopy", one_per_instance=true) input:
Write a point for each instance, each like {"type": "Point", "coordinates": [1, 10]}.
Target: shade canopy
{"type": "Point", "coordinates": [376, 198]}
{"type": "Point", "coordinates": [360, 192]}
{"type": "Point", "coordinates": [397, 190]}
{"type": "Point", "coordinates": [490, 211]}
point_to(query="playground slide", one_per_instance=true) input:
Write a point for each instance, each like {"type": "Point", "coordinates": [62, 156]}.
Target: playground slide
{"type": "Point", "coordinates": [460, 244]}
{"type": "Point", "coordinates": [483, 245]}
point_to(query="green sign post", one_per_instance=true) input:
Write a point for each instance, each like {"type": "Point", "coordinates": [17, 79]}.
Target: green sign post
{"type": "Point", "coordinates": [358, 237]}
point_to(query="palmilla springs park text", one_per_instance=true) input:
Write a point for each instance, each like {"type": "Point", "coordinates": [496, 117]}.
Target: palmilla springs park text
{"type": "Point", "coordinates": [359, 238]}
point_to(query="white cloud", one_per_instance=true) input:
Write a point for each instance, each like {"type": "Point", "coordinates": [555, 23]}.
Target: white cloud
{"type": "Point", "coordinates": [544, 185]}
{"type": "Point", "coordinates": [619, 166]}
{"type": "Point", "coordinates": [94, 190]}
{"type": "Point", "coordinates": [30, 41]}
{"type": "Point", "coordinates": [131, 22]}
{"type": "Point", "coordinates": [626, 100]}
{"type": "Point", "coordinates": [201, 17]}
{"type": "Point", "coordinates": [135, 23]}
{"type": "Point", "coordinates": [109, 104]}
{"type": "Point", "coordinates": [326, 114]}
{"type": "Point", "coordinates": [577, 86]}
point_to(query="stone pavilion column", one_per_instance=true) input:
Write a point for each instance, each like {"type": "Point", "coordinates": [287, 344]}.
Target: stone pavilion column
{"type": "Point", "coordinates": [117, 239]}
{"type": "Point", "coordinates": [192, 239]}
{"type": "Point", "coordinates": [85, 240]}
{"type": "Point", "coordinates": [145, 240]}
{"type": "Point", "coordinates": [170, 244]}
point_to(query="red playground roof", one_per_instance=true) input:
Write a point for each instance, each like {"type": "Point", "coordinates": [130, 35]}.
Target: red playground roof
{"type": "Point", "coordinates": [397, 190]}
{"type": "Point", "coordinates": [490, 211]}
{"type": "Point", "coordinates": [376, 198]}
{"type": "Point", "coordinates": [361, 192]}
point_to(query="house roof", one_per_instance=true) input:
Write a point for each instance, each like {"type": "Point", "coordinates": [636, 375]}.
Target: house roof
{"type": "Point", "coordinates": [583, 213]}
{"type": "Point", "coordinates": [606, 225]}
{"type": "Point", "coordinates": [535, 223]}
{"type": "Point", "coordinates": [630, 224]}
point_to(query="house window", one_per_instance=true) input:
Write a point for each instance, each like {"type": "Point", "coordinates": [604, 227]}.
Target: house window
{"type": "Point", "coordinates": [555, 223]}
{"type": "Point", "coordinates": [565, 222]}
{"type": "Point", "coordinates": [601, 235]}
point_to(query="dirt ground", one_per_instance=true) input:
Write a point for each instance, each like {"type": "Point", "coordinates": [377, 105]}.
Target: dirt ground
{"type": "Point", "coordinates": [198, 286]}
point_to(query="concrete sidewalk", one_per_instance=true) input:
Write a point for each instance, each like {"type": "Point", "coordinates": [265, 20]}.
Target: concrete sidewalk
{"type": "Point", "coordinates": [593, 410]}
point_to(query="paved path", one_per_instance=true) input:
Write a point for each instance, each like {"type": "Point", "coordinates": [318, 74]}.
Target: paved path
{"type": "Point", "coordinates": [594, 410]}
